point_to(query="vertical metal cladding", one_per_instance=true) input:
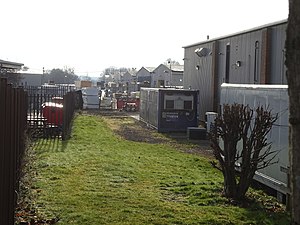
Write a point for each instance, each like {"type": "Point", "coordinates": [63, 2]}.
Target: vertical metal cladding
{"type": "Point", "coordinates": [198, 76]}
{"type": "Point", "coordinates": [254, 56]}
{"type": "Point", "coordinates": [274, 98]}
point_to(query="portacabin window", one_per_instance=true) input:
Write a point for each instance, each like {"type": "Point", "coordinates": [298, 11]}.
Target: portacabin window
{"type": "Point", "coordinates": [169, 104]}
{"type": "Point", "coordinates": [188, 105]}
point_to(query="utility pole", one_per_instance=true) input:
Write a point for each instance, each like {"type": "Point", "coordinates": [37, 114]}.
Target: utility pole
{"type": "Point", "coordinates": [42, 78]}
{"type": "Point", "coordinates": [170, 62]}
{"type": "Point", "coordinates": [293, 67]}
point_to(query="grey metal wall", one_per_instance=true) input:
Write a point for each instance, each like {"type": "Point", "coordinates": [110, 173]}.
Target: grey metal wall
{"type": "Point", "coordinates": [149, 106]}
{"type": "Point", "coordinates": [177, 79]}
{"type": "Point", "coordinates": [31, 80]}
{"type": "Point", "coordinates": [198, 76]}
{"type": "Point", "coordinates": [275, 98]}
{"type": "Point", "coordinates": [278, 69]}
{"type": "Point", "coordinates": [259, 51]}
{"type": "Point", "coordinates": [242, 48]}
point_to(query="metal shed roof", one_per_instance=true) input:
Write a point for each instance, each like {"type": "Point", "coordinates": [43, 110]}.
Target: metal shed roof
{"type": "Point", "coordinates": [238, 33]}
{"type": "Point", "coordinates": [150, 69]}
{"type": "Point", "coordinates": [10, 65]}
{"type": "Point", "coordinates": [178, 68]}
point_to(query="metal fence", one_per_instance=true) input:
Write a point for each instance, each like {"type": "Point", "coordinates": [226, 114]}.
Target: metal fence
{"type": "Point", "coordinates": [30, 109]}
{"type": "Point", "coordinates": [13, 111]}
{"type": "Point", "coordinates": [47, 110]}
{"type": "Point", "coordinates": [68, 113]}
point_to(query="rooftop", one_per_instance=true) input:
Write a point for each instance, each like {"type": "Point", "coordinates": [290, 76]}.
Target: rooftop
{"type": "Point", "coordinates": [238, 33]}
{"type": "Point", "coordinates": [10, 65]}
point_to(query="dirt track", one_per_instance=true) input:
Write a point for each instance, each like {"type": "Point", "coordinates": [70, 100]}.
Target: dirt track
{"type": "Point", "coordinates": [123, 124]}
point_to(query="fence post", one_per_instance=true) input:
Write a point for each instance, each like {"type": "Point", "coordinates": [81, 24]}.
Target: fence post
{"type": "Point", "coordinates": [68, 113]}
{"type": "Point", "coordinates": [2, 149]}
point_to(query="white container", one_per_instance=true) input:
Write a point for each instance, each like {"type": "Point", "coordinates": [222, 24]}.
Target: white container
{"type": "Point", "coordinates": [274, 98]}
{"type": "Point", "coordinates": [90, 98]}
{"type": "Point", "coordinates": [210, 120]}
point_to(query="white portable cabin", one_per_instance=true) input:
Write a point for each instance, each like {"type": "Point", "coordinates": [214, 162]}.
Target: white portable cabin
{"type": "Point", "coordinates": [90, 97]}
{"type": "Point", "coordinates": [274, 98]}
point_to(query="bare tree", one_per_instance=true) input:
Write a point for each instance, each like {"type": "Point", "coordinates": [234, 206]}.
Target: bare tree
{"type": "Point", "coordinates": [293, 78]}
{"type": "Point", "coordinates": [239, 125]}
{"type": "Point", "coordinates": [172, 62]}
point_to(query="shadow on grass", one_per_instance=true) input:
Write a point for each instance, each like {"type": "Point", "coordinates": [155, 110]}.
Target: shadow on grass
{"type": "Point", "coordinates": [50, 145]}
{"type": "Point", "coordinates": [266, 211]}
{"type": "Point", "coordinates": [257, 208]}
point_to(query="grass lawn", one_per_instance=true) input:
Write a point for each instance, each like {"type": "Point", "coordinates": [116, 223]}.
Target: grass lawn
{"type": "Point", "coordinates": [97, 177]}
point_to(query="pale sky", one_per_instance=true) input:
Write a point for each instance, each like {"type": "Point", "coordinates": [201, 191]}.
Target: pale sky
{"type": "Point", "coordinates": [91, 35]}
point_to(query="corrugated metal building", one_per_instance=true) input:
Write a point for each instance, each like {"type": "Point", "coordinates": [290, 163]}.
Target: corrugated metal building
{"type": "Point", "coordinates": [166, 76]}
{"type": "Point", "coordinates": [31, 79]}
{"type": "Point", "coordinates": [144, 74]}
{"type": "Point", "coordinates": [254, 56]}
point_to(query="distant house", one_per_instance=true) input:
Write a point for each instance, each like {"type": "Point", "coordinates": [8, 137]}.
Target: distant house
{"type": "Point", "coordinates": [127, 77]}
{"type": "Point", "coordinates": [167, 76]}
{"type": "Point", "coordinates": [254, 56]}
{"type": "Point", "coordinates": [144, 75]}
{"type": "Point", "coordinates": [128, 83]}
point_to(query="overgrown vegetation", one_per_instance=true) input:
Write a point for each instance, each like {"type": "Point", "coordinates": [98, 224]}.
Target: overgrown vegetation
{"type": "Point", "coordinates": [239, 123]}
{"type": "Point", "coordinates": [97, 177]}
{"type": "Point", "coordinates": [25, 212]}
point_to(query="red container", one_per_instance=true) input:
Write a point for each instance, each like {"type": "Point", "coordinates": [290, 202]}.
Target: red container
{"type": "Point", "coordinates": [53, 112]}
{"type": "Point", "coordinates": [120, 103]}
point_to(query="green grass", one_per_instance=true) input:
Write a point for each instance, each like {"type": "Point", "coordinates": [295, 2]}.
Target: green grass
{"type": "Point", "coordinates": [99, 178]}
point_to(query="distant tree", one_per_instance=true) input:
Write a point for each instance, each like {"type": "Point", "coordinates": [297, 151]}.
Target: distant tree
{"type": "Point", "coordinates": [293, 79]}
{"type": "Point", "coordinates": [172, 62]}
{"type": "Point", "coordinates": [239, 125]}
{"type": "Point", "coordinates": [114, 70]}
{"type": "Point", "coordinates": [110, 71]}
{"type": "Point", "coordinates": [123, 69]}
{"type": "Point", "coordinates": [61, 76]}
{"type": "Point", "coordinates": [132, 70]}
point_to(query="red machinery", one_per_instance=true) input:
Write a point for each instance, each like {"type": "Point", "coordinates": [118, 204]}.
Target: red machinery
{"type": "Point", "coordinates": [59, 100]}
{"type": "Point", "coordinates": [130, 104]}
{"type": "Point", "coordinates": [53, 113]}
